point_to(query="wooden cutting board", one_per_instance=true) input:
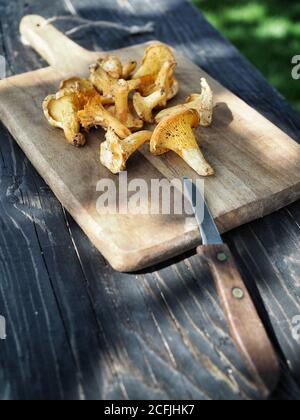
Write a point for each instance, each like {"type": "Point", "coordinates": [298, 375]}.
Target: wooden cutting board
{"type": "Point", "coordinates": [257, 165]}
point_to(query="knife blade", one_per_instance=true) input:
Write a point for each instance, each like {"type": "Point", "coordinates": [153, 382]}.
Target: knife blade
{"type": "Point", "coordinates": [245, 326]}
{"type": "Point", "coordinates": [208, 229]}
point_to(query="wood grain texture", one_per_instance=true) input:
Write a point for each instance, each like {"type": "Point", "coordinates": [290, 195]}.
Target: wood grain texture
{"type": "Point", "coordinates": [78, 329]}
{"type": "Point", "coordinates": [257, 165]}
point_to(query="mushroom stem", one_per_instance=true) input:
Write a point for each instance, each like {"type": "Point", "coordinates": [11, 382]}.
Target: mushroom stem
{"type": "Point", "coordinates": [121, 93]}
{"type": "Point", "coordinates": [94, 114]}
{"type": "Point", "coordinates": [115, 152]}
{"type": "Point", "coordinates": [194, 157]}
{"type": "Point", "coordinates": [145, 105]}
{"type": "Point", "coordinates": [128, 69]}
{"type": "Point", "coordinates": [122, 110]}
{"type": "Point", "coordinates": [164, 79]}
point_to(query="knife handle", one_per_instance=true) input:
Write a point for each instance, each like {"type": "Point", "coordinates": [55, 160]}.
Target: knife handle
{"type": "Point", "coordinates": [246, 328]}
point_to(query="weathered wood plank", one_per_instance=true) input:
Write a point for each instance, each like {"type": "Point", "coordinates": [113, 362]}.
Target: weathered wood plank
{"type": "Point", "coordinates": [120, 336]}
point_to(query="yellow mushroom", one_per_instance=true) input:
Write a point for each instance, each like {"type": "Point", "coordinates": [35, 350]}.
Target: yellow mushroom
{"type": "Point", "coordinates": [83, 88]}
{"type": "Point", "coordinates": [115, 152]}
{"type": "Point", "coordinates": [102, 81]}
{"type": "Point", "coordinates": [95, 115]}
{"type": "Point", "coordinates": [110, 87]}
{"type": "Point", "coordinates": [77, 83]}
{"type": "Point", "coordinates": [173, 88]}
{"type": "Point", "coordinates": [61, 111]}
{"type": "Point", "coordinates": [154, 58]}
{"type": "Point", "coordinates": [145, 105]}
{"type": "Point", "coordinates": [175, 133]}
{"type": "Point", "coordinates": [141, 83]}
{"type": "Point", "coordinates": [122, 109]}
{"type": "Point", "coordinates": [164, 80]}
{"type": "Point", "coordinates": [201, 102]}
{"type": "Point", "coordinates": [128, 69]}
{"type": "Point", "coordinates": [112, 65]}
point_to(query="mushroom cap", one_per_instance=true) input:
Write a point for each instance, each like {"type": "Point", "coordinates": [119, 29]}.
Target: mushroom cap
{"type": "Point", "coordinates": [57, 107]}
{"type": "Point", "coordinates": [174, 132]}
{"type": "Point", "coordinates": [102, 81]}
{"type": "Point", "coordinates": [83, 89]}
{"type": "Point", "coordinates": [112, 65]}
{"type": "Point", "coordinates": [154, 57]}
{"type": "Point", "coordinates": [76, 83]}
{"type": "Point", "coordinates": [61, 111]}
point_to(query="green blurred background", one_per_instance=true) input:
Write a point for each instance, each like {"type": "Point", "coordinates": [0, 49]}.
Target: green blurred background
{"type": "Point", "coordinates": [267, 32]}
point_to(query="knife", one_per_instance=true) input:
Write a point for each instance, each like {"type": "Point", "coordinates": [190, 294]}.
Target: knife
{"type": "Point", "coordinates": [245, 326]}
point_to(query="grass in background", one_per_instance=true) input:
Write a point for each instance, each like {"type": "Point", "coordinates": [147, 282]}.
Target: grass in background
{"type": "Point", "coordinates": [267, 32]}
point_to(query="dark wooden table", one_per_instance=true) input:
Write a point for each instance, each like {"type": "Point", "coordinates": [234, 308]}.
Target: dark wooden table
{"type": "Point", "coordinates": [76, 329]}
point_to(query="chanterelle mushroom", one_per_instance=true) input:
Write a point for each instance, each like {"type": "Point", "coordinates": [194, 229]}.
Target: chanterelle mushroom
{"type": "Point", "coordinates": [94, 115]}
{"type": "Point", "coordinates": [77, 83]}
{"type": "Point", "coordinates": [115, 152]}
{"type": "Point", "coordinates": [175, 133]}
{"type": "Point", "coordinates": [112, 65]}
{"type": "Point", "coordinates": [173, 89]}
{"type": "Point", "coordinates": [61, 111]}
{"type": "Point", "coordinates": [154, 58]}
{"type": "Point", "coordinates": [122, 110]}
{"type": "Point", "coordinates": [109, 86]}
{"type": "Point", "coordinates": [165, 80]}
{"type": "Point", "coordinates": [128, 69]}
{"type": "Point", "coordinates": [103, 82]}
{"type": "Point", "coordinates": [83, 88]}
{"type": "Point", "coordinates": [202, 103]}
{"type": "Point", "coordinates": [145, 105]}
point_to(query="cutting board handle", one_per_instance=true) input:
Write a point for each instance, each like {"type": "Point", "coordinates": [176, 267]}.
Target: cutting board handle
{"type": "Point", "coordinates": [55, 47]}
